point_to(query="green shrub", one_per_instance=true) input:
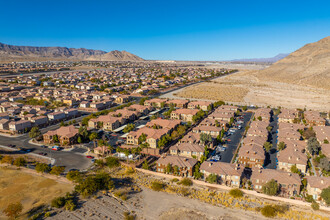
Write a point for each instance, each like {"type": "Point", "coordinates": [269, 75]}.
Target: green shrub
{"type": "Point", "coordinates": [174, 180]}
{"type": "Point", "coordinates": [236, 193]}
{"type": "Point", "coordinates": [70, 205]}
{"type": "Point", "coordinates": [112, 162]}
{"type": "Point", "coordinates": [157, 186]}
{"type": "Point", "coordinates": [74, 175]}
{"type": "Point", "coordinates": [268, 211]}
{"type": "Point", "coordinates": [58, 202]}
{"type": "Point", "coordinates": [281, 208]}
{"type": "Point", "coordinates": [272, 210]}
{"type": "Point", "coordinates": [128, 216]}
{"type": "Point", "coordinates": [212, 178]}
{"type": "Point", "coordinates": [121, 194]}
{"type": "Point", "coordinates": [315, 206]}
{"type": "Point", "coordinates": [309, 198]}
{"type": "Point", "coordinates": [186, 182]}
{"type": "Point", "coordinates": [184, 191]}
{"type": "Point", "coordinates": [47, 214]}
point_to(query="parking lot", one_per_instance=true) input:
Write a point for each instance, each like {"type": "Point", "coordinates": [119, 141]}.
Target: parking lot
{"type": "Point", "coordinates": [232, 140]}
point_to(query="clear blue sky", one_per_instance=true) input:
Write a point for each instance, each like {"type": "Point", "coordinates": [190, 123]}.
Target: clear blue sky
{"type": "Point", "coordinates": [166, 29]}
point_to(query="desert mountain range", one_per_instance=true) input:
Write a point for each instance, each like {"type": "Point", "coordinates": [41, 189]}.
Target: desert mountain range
{"type": "Point", "coordinates": [263, 60]}
{"type": "Point", "coordinates": [10, 52]}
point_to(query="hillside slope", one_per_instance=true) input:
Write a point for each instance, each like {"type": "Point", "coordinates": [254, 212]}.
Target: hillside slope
{"type": "Point", "coordinates": [116, 56]}
{"type": "Point", "coordinates": [309, 65]}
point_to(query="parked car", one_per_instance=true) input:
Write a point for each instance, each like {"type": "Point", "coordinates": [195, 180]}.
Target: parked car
{"type": "Point", "coordinates": [42, 154]}
{"type": "Point", "coordinates": [43, 146]}
{"type": "Point", "coordinates": [90, 157]}
{"type": "Point", "coordinates": [25, 150]}
{"type": "Point", "coordinates": [11, 145]}
{"type": "Point", "coordinates": [56, 148]}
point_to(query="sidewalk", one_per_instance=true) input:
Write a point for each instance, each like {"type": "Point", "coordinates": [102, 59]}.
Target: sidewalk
{"type": "Point", "coordinates": [52, 160]}
{"type": "Point", "coordinates": [227, 188]}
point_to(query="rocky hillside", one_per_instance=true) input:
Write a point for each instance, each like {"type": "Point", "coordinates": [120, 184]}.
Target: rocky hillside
{"type": "Point", "coordinates": [10, 52]}
{"type": "Point", "coordinates": [116, 56]}
{"type": "Point", "coordinates": [309, 65]}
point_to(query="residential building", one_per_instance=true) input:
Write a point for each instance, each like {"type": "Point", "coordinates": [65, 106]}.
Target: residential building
{"type": "Point", "coordinates": [229, 174]}
{"type": "Point", "coordinates": [185, 165]}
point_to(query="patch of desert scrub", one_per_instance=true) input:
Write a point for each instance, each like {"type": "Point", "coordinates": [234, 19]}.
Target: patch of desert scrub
{"type": "Point", "coordinates": [236, 193]}
{"type": "Point", "coordinates": [185, 182]}
{"type": "Point", "coordinates": [128, 216]}
{"type": "Point", "coordinates": [122, 194]}
{"type": "Point", "coordinates": [273, 210]}
{"type": "Point", "coordinates": [183, 191]}
{"type": "Point", "coordinates": [129, 170]}
{"type": "Point", "coordinates": [157, 185]}
{"type": "Point", "coordinates": [174, 180]}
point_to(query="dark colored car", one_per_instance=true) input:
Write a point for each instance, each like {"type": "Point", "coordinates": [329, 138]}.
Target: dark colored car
{"type": "Point", "coordinates": [43, 146]}
{"type": "Point", "coordinates": [43, 154]}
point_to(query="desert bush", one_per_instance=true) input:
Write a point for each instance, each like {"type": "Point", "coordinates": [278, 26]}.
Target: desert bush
{"type": "Point", "coordinates": [20, 162]}
{"type": "Point", "coordinates": [128, 216]}
{"type": "Point", "coordinates": [57, 170]}
{"type": "Point", "coordinates": [42, 168]}
{"type": "Point", "coordinates": [309, 198]}
{"type": "Point", "coordinates": [92, 184]}
{"type": "Point", "coordinates": [129, 170]}
{"type": "Point", "coordinates": [315, 206]}
{"type": "Point", "coordinates": [122, 194]}
{"type": "Point", "coordinates": [74, 175]}
{"type": "Point", "coordinates": [272, 210]}
{"type": "Point", "coordinates": [69, 205]}
{"type": "Point", "coordinates": [47, 214]}
{"type": "Point", "coordinates": [13, 210]}
{"type": "Point", "coordinates": [174, 180]}
{"type": "Point", "coordinates": [184, 191]}
{"type": "Point", "coordinates": [112, 162]}
{"type": "Point", "coordinates": [157, 186]}
{"type": "Point", "coordinates": [58, 202]}
{"type": "Point", "coordinates": [7, 159]}
{"type": "Point", "coordinates": [268, 211]}
{"type": "Point", "coordinates": [186, 182]}
{"type": "Point", "coordinates": [236, 193]}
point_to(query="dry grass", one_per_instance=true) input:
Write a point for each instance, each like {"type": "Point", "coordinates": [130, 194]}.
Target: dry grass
{"type": "Point", "coordinates": [247, 88]}
{"type": "Point", "coordinates": [214, 91]}
{"type": "Point", "coordinates": [31, 191]}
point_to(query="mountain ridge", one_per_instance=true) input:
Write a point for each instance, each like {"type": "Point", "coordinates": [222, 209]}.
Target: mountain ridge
{"type": "Point", "coordinates": [11, 52]}
{"type": "Point", "coordinates": [263, 60]}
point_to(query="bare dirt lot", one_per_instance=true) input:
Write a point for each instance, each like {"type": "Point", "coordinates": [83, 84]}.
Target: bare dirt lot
{"type": "Point", "coordinates": [30, 190]}
{"type": "Point", "coordinates": [246, 88]}
{"type": "Point", "coordinates": [152, 205]}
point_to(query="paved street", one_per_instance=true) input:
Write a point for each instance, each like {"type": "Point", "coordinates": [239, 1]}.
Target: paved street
{"type": "Point", "coordinates": [62, 158]}
{"type": "Point", "coordinates": [270, 162]}
{"type": "Point", "coordinates": [235, 139]}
